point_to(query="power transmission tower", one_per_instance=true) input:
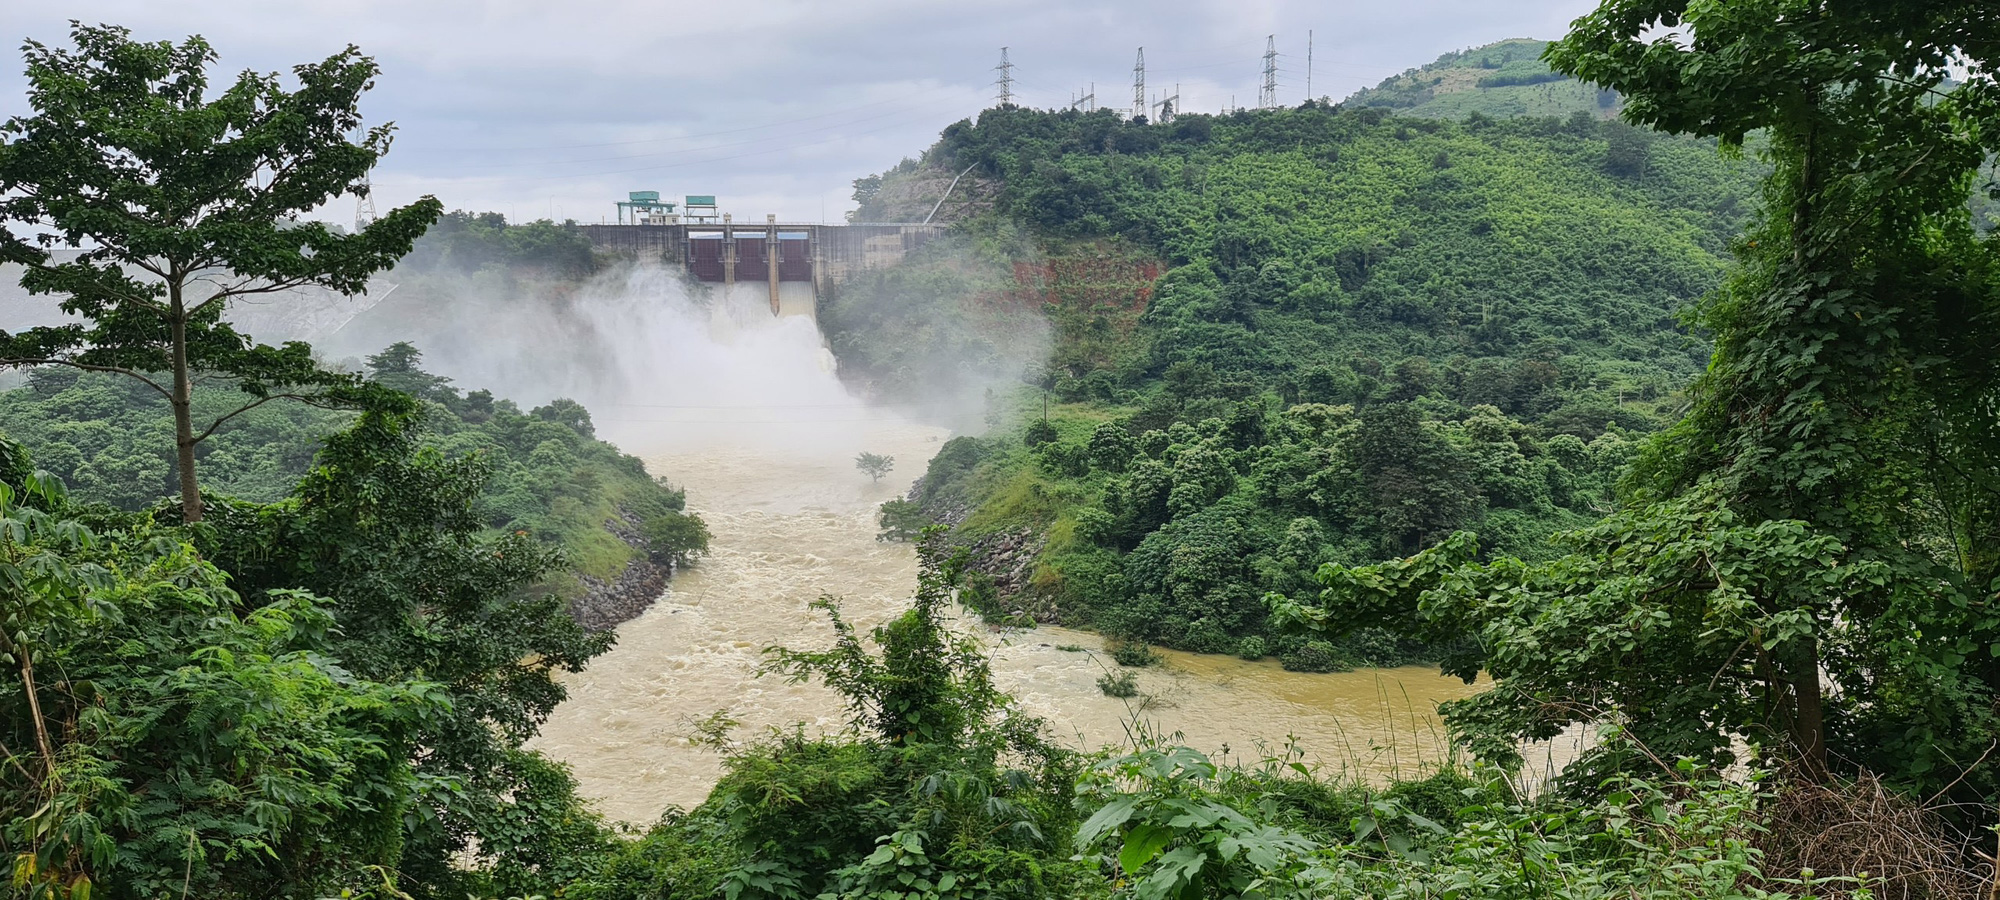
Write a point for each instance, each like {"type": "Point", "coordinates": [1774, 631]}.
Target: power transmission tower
{"type": "Point", "coordinates": [364, 195]}
{"type": "Point", "coordinates": [364, 206]}
{"type": "Point", "coordinates": [1169, 105]}
{"type": "Point", "coordinates": [1139, 85]}
{"type": "Point", "coordinates": [1006, 80]}
{"type": "Point", "coordinates": [1267, 97]}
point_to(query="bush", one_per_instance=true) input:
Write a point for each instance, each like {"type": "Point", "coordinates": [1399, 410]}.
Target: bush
{"type": "Point", "coordinates": [1385, 649]}
{"type": "Point", "coordinates": [1134, 653]}
{"type": "Point", "coordinates": [675, 538]}
{"type": "Point", "coordinates": [980, 594]}
{"type": "Point", "coordinates": [901, 520]}
{"type": "Point", "coordinates": [1111, 447]}
{"type": "Point", "coordinates": [1040, 432]}
{"type": "Point", "coordinates": [1252, 648]}
{"type": "Point", "coordinates": [1120, 685]}
{"type": "Point", "coordinates": [1316, 656]}
{"type": "Point", "coordinates": [1441, 796]}
{"type": "Point", "coordinates": [1063, 460]}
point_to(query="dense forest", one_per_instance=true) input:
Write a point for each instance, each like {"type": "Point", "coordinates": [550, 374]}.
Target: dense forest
{"type": "Point", "coordinates": [109, 439]}
{"type": "Point", "coordinates": [1299, 337]}
{"type": "Point", "coordinates": [1688, 443]}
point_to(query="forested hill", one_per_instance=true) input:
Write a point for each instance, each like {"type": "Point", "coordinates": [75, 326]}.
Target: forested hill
{"type": "Point", "coordinates": [1309, 335]}
{"type": "Point", "coordinates": [547, 475]}
{"type": "Point", "coordinates": [1503, 79]}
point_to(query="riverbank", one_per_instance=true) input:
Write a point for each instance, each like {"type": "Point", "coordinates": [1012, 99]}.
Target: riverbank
{"type": "Point", "coordinates": [792, 520]}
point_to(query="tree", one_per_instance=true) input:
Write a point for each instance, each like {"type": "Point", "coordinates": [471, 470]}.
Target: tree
{"type": "Point", "coordinates": [179, 202]}
{"type": "Point", "coordinates": [400, 367]}
{"type": "Point", "coordinates": [1804, 562]}
{"type": "Point", "coordinates": [874, 465]}
{"type": "Point", "coordinates": [901, 520]}
{"type": "Point", "coordinates": [929, 686]}
{"type": "Point", "coordinates": [388, 530]}
{"type": "Point", "coordinates": [176, 740]}
{"type": "Point", "coordinates": [1415, 486]}
{"type": "Point", "coordinates": [1846, 344]}
{"type": "Point", "coordinates": [675, 538]}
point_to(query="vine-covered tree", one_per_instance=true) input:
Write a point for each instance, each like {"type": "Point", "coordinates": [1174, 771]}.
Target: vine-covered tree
{"type": "Point", "coordinates": [176, 201]}
{"type": "Point", "coordinates": [1808, 559]}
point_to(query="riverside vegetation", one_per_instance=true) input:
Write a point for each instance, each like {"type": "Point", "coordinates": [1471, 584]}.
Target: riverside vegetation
{"type": "Point", "coordinates": [1339, 367]}
{"type": "Point", "coordinates": [1300, 337]}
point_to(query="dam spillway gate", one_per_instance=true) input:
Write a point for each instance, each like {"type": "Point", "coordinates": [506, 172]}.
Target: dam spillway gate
{"type": "Point", "coordinates": [772, 252]}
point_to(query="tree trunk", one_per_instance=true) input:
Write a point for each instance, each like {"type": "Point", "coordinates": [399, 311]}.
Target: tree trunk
{"type": "Point", "coordinates": [1808, 725]}
{"type": "Point", "coordinates": [183, 406]}
{"type": "Point", "coordinates": [1808, 720]}
{"type": "Point", "coordinates": [35, 710]}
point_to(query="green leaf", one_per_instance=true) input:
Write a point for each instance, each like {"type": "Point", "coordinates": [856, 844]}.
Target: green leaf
{"type": "Point", "coordinates": [1142, 843]}
{"type": "Point", "coordinates": [1109, 816]}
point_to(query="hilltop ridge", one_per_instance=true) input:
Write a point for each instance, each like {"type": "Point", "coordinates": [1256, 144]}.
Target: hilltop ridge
{"type": "Point", "coordinates": [1504, 79]}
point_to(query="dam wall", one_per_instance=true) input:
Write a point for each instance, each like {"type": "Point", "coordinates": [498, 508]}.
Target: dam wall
{"type": "Point", "coordinates": [772, 252]}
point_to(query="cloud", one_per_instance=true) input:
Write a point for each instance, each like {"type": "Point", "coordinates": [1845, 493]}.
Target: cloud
{"type": "Point", "coordinates": [533, 108]}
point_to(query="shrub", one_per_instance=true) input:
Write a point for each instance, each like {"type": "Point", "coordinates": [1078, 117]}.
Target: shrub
{"type": "Point", "coordinates": [901, 520]}
{"type": "Point", "coordinates": [1316, 656]}
{"type": "Point", "coordinates": [1111, 447]}
{"type": "Point", "coordinates": [1063, 460]}
{"type": "Point", "coordinates": [1252, 648]}
{"type": "Point", "coordinates": [1120, 685]}
{"type": "Point", "coordinates": [1134, 653]}
{"type": "Point", "coordinates": [980, 594]}
{"type": "Point", "coordinates": [675, 538]}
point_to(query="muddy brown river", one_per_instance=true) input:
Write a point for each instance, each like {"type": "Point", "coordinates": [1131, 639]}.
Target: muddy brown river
{"type": "Point", "coordinates": [766, 453]}
{"type": "Point", "coordinates": [794, 521]}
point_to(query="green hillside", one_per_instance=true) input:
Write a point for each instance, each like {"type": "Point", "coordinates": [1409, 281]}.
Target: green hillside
{"type": "Point", "coordinates": [110, 439]}
{"type": "Point", "coordinates": [1291, 337]}
{"type": "Point", "coordinates": [1502, 80]}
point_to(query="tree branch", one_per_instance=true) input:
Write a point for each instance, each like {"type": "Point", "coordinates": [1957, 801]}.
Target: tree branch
{"type": "Point", "coordinates": [226, 293]}
{"type": "Point", "coordinates": [304, 398]}
{"type": "Point", "coordinates": [129, 373]}
{"type": "Point", "coordinates": [148, 302]}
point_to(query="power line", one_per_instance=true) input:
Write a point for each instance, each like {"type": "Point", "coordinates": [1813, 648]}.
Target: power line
{"type": "Point", "coordinates": [841, 421]}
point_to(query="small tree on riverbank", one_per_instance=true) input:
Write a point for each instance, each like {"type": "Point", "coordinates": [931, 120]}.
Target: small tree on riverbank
{"type": "Point", "coordinates": [874, 465]}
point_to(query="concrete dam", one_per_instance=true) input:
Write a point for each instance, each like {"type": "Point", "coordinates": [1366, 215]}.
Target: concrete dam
{"type": "Point", "coordinates": [807, 257]}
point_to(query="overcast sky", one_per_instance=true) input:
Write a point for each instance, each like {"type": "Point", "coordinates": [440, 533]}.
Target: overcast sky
{"type": "Point", "coordinates": [559, 108]}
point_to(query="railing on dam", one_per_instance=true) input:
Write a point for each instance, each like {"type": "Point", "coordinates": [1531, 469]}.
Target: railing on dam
{"type": "Point", "coordinates": [771, 251]}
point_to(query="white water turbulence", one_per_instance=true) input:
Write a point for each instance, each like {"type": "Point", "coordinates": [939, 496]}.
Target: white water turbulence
{"type": "Point", "coordinates": [745, 411]}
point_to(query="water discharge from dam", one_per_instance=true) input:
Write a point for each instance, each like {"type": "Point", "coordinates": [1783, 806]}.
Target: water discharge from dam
{"type": "Point", "coordinates": [745, 412]}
